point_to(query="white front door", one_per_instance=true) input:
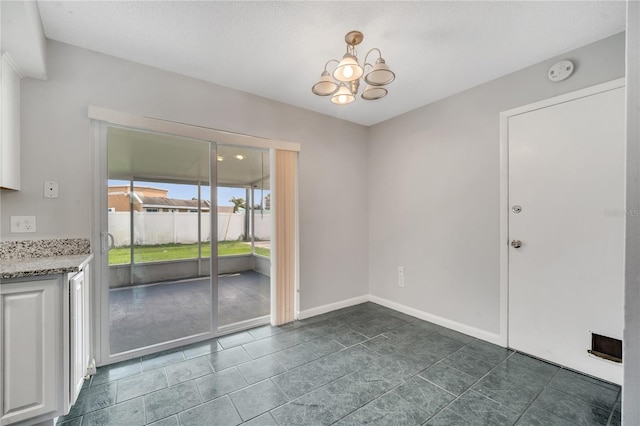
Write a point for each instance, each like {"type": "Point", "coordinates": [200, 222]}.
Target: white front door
{"type": "Point", "coordinates": [566, 174]}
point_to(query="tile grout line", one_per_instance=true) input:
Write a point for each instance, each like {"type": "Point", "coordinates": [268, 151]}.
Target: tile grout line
{"type": "Point", "coordinates": [469, 388]}
{"type": "Point", "coordinates": [613, 409]}
{"type": "Point", "coordinates": [326, 384]}
{"type": "Point", "coordinates": [577, 397]}
{"type": "Point", "coordinates": [404, 381]}
{"type": "Point", "coordinates": [538, 393]}
{"type": "Point", "coordinates": [233, 404]}
{"type": "Point", "coordinates": [435, 384]}
{"type": "Point", "coordinates": [144, 410]}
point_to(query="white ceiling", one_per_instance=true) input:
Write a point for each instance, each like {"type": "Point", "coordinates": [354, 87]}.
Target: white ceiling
{"type": "Point", "coordinates": [278, 49]}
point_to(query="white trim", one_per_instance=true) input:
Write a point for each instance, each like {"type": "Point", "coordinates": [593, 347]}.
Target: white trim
{"type": "Point", "coordinates": [504, 230]}
{"type": "Point", "coordinates": [566, 97]}
{"type": "Point", "coordinates": [296, 299]}
{"type": "Point", "coordinates": [308, 313]}
{"type": "Point", "coordinates": [272, 266]}
{"type": "Point", "coordinates": [453, 325]}
{"type": "Point", "coordinates": [9, 60]}
{"type": "Point", "coordinates": [243, 325]}
{"type": "Point", "coordinates": [631, 341]}
{"type": "Point", "coordinates": [187, 130]}
{"type": "Point", "coordinates": [100, 327]}
{"type": "Point", "coordinates": [503, 337]}
{"type": "Point", "coordinates": [445, 322]}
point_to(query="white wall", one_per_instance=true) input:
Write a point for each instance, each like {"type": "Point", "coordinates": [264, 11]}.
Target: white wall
{"type": "Point", "coordinates": [434, 191]}
{"type": "Point", "coordinates": [56, 146]}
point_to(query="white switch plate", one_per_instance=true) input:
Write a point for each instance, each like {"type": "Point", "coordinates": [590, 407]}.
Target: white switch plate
{"type": "Point", "coordinates": [23, 224]}
{"type": "Point", "coordinates": [50, 189]}
{"type": "Point", "coordinates": [400, 276]}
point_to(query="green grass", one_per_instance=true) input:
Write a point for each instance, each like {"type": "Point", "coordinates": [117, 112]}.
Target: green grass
{"type": "Point", "coordinates": [142, 254]}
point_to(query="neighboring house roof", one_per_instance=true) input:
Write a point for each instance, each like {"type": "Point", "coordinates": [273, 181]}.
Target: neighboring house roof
{"type": "Point", "coordinates": [173, 202]}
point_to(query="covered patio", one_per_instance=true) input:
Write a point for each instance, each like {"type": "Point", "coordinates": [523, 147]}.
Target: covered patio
{"type": "Point", "coordinates": [160, 286]}
{"type": "Point", "coordinates": [154, 313]}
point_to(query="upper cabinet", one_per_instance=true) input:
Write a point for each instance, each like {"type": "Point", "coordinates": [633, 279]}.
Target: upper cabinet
{"type": "Point", "coordinates": [23, 56]}
{"type": "Point", "coordinates": [10, 124]}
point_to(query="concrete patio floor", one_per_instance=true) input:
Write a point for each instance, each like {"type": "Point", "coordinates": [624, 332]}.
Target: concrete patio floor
{"type": "Point", "coordinates": [145, 315]}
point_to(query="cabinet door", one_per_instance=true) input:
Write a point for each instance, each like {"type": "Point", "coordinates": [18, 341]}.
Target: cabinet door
{"type": "Point", "coordinates": [78, 335]}
{"type": "Point", "coordinates": [31, 352]}
{"type": "Point", "coordinates": [10, 127]}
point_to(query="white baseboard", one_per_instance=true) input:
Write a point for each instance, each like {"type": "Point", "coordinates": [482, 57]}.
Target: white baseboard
{"type": "Point", "coordinates": [308, 313]}
{"type": "Point", "coordinates": [453, 325]}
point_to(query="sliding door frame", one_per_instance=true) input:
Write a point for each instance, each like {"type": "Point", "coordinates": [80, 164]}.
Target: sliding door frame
{"type": "Point", "coordinates": [101, 119]}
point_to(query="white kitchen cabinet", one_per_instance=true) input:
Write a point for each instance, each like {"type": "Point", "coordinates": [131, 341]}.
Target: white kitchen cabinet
{"type": "Point", "coordinates": [10, 116]}
{"type": "Point", "coordinates": [79, 327]}
{"type": "Point", "coordinates": [44, 345]}
{"type": "Point", "coordinates": [32, 349]}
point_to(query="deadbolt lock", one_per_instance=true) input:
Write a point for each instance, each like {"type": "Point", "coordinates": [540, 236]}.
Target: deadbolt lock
{"type": "Point", "coordinates": [516, 243]}
{"type": "Point", "coordinates": [516, 209]}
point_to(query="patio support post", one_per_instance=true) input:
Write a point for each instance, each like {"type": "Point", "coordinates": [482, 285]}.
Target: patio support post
{"type": "Point", "coordinates": [131, 231]}
{"type": "Point", "coordinates": [247, 209]}
{"type": "Point", "coordinates": [199, 229]}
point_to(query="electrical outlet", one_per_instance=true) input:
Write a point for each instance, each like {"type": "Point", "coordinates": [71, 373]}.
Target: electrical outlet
{"type": "Point", "coordinates": [23, 224]}
{"type": "Point", "coordinates": [400, 276]}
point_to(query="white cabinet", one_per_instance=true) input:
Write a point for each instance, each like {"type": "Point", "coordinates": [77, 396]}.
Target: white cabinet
{"type": "Point", "coordinates": [79, 326]}
{"type": "Point", "coordinates": [31, 353]}
{"type": "Point", "coordinates": [10, 124]}
{"type": "Point", "coordinates": [44, 345]}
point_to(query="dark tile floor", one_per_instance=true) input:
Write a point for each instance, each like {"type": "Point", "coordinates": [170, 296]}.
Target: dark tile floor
{"type": "Point", "coordinates": [361, 365]}
{"type": "Point", "coordinates": [145, 315]}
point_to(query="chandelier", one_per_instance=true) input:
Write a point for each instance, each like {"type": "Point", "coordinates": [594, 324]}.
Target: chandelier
{"type": "Point", "coordinates": [345, 83]}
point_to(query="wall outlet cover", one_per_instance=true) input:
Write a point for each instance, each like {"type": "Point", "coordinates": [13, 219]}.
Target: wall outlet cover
{"type": "Point", "coordinates": [23, 224]}
{"type": "Point", "coordinates": [50, 189]}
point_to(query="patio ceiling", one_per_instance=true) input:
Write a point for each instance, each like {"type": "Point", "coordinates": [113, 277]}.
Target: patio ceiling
{"type": "Point", "coordinates": [156, 157]}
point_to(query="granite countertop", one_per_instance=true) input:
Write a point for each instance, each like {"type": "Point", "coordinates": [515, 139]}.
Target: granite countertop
{"type": "Point", "coordinates": [38, 266]}
{"type": "Point", "coordinates": [32, 258]}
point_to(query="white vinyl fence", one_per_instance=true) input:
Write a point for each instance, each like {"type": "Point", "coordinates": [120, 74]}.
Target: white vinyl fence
{"type": "Point", "coordinates": [164, 228]}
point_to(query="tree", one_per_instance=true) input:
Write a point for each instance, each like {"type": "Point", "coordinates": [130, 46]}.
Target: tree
{"type": "Point", "coordinates": [238, 203]}
{"type": "Point", "coordinates": [267, 202]}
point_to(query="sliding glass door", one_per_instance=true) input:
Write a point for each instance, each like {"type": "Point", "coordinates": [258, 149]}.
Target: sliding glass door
{"type": "Point", "coordinates": [186, 241]}
{"type": "Point", "coordinates": [244, 236]}
{"type": "Point", "coordinates": [160, 223]}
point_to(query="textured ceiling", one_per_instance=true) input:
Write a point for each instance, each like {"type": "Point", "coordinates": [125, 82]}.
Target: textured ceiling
{"type": "Point", "coordinates": [278, 49]}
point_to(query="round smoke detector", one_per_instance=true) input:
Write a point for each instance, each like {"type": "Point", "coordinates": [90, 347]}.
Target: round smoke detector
{"type": "Point", "coordinates": [560, 71]}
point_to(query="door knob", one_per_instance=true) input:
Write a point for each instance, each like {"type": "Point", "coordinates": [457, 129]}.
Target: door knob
{"type": "Point", "coordinates": [516, 243]}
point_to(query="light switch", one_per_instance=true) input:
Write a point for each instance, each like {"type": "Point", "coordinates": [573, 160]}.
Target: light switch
{"type": "Point", "coordinates": [50, 189]}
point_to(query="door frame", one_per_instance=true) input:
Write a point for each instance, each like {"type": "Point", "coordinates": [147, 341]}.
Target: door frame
{"type": "Point", "coordinates": [100, 120]}
{"type": "Point", "coordinates": [503, 339]}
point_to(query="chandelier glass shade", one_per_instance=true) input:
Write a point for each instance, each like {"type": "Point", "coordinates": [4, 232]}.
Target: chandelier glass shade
{"type": "Point", "coordinates": [344, 85]}
{"type": "Point", "coordinates": [325, 86]}
{"type": "Point", "coordinates": [372, 93]}
{"type": "Point", "coordinates": [380, 75]}
{"type": "Point", "coordinates": [343, 96]}
{"type": "Point", "coordinates": [348, 69]}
